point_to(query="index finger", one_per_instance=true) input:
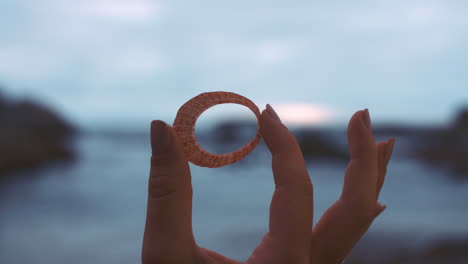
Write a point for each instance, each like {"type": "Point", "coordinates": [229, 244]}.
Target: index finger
{"type": "Point", "coordinates": [291, 205]}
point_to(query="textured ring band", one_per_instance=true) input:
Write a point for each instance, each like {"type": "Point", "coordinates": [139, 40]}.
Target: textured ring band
{"type": "Point", "coordinates": [184, 125]}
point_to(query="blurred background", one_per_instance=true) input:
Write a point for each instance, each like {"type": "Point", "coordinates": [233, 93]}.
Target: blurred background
{"type": "Point", "coordinates": [80, 82]}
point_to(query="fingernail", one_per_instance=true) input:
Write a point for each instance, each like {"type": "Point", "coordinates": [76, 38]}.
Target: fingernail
{"type": "Point", "coordinates": [366, 118]}
{"type": "Point", "coordinates": [272, 112]}
{"type": "Point", "coordinates": [159, 137]}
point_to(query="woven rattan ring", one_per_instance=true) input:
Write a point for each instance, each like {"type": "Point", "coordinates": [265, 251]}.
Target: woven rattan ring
{"type": "Point", "coordinates": [184, 125]}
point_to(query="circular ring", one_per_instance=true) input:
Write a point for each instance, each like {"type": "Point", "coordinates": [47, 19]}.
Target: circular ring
{"type": "Point", "coordinates": [184, 125]}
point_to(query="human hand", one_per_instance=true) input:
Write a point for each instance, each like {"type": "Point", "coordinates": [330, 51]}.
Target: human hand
{"type": "Point", "coordinates": [168, 237]}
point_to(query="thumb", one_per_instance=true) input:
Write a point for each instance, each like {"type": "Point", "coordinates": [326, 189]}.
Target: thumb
{"type": "Point", "coordinates": [168, 230]}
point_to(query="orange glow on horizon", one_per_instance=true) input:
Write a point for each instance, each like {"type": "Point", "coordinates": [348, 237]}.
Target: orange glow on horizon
{"type": "Point", "coordinates": [303, 113]}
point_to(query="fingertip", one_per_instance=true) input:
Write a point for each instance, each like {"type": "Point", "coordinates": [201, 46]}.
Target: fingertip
{"type": "Point", "coordinates": [167, 148]}
{"type": "Point", "coordinates": [274, 132]}
{"type": "Point", "coordinates": [366, 118]}
{"type": "Point", "coordinates": [282, 144]}
{"type": "Point", "coordinates": [380, 209]}
{"type": "Point", "coordinates": [160, 137]}
{"type": "Point", "coordinates": [263, 114]}
{"type": "Point", "coordinates": [356, 125]}
{"type": "Point", "coordinates": [360, 119]}
{"type": "Point", "coordinates": [272, 113]}
{"type": "Point", "coordinates": [157, 123]}
{"type": "Point", "coordinates": [360, 138]}
{"type": "Point", "coordinates": [270, 117]}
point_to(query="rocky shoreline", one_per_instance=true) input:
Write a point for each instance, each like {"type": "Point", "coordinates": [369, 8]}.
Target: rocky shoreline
{"type": "Point", "coordinates": [31, 135]}
{"type": "Point", "coordinates": [449, 250]}
{"type": "Point", "coordinates": [445, 147]}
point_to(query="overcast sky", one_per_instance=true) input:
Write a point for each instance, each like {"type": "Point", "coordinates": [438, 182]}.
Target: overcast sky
{"type": "Point", "coordinates": [122, 61]}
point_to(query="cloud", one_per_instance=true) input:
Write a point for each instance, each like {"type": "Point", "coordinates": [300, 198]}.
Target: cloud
{"type": "Point", "coordinates": [303, 113]}
{"type": "Point", "coordinates": [287, 52]}
{"type": "Point", "coordinates": [402, 16]}
{"type": "Point", "coordinates": [128, 10]}
{"type": "Point", "coordinates": [59, 40]}
{"type": "Point", "coordinates": [272, 52]}
{"type": "Point", "coordinates": [231, 49]}
{"type": "Point", "coordinates": [128, 62]}
{"type": "Point", "coordinates": [137, 62]}
{"type": "Point", "coordinates": [24, 63]}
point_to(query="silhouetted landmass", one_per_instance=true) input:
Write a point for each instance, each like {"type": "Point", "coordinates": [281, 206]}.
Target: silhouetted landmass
{"type": "Point", "coordinates": [447, 147]}
{"type": "Point", "coordinates": [234, 131]}
{"type": "Point", "coordinates": [453, 252]}
{"type": "Point", "coordinates": [320, 144]}
{"type": "Point", "coordinates": [30, 135]}
{"type": "Point", "coordinates": [435, 146]}
{"type": "Point", "coordinates": [396, 130]}
{"type": "Point", "coordinates": [229, 136]}
{"type": "Point", "coordinates": [450, 251]}
{"type": "Point", "coordinates": [314, 143]}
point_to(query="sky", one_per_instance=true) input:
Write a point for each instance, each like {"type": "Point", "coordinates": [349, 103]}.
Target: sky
{"type": "Point", "coordinates": [131, 61]}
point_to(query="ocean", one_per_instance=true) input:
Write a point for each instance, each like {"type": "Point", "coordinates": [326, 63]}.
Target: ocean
{"type": "Point", "coordinates": [92, 210]}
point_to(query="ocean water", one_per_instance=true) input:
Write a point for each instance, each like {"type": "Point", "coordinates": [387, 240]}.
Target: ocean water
{"type": "Point", "coordinates": [93, 210]}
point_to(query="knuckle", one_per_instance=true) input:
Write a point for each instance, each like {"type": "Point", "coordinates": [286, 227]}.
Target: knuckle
{"type": "Point", "coordinates": [308, 189]}
{"type": "Point", "coordinates": [151, 258]}
{"type": "Point", "coordinates": [294, 178]}
{"type": "Point", "coordinates": [366, 216]}
{"type": "Point", "coordinates": [160, 160]}
{"type": "Point", "coordinates": [363, 211]}
{"type": "Point", "coordinates": [161, 183]}
{"type": "Point", "coordinates": [304, 188]}
{"type": "Point", "coordinates": [163, 254]}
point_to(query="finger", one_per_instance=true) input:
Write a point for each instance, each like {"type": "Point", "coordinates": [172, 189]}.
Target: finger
{"type": "Point", "coordinates": [209, 256]}
{"type": "Point", "coordinates": [291, 205]}
{"type": "Point", "coordinates": [389, 150]}
{"type": "Point", "coordinates": [343, 224]}
{"type": "Point", "coordinates": [385, 153]}
{"type": "Point", "coordinates": [381, 165]}
{"type": "Point", "coordinates": [360, 182]}
{"type": "Point", "coordinates": [168, 230]}
{"type": "Point", "coordinates": [379, 209]}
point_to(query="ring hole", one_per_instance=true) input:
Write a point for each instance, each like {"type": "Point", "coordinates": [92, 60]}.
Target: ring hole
{"type": "Point", "coordinates": [225, 128]}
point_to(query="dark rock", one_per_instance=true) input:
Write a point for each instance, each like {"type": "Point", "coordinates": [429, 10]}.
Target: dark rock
{"type": "Point", "coordinates": [228, 136]}
{"type": "Point", "coordinates": [319, 144]}
{"type": "Point", "coordinates": [315, 144]}
{"type": "Point", "coordinates": [2, 103]}
{"type": "Point", "coordinates": [230, 131]}
{"type": "Point", "coordinates": [461, 121]}
{"type": "Point", "coordinates": [396, 130]}
{"type": "Point", "coordinates": [447, 147]}
{"type": "Point", "coordinates": [449, 249]}
{"type": "Point", "coordinates": [454, 252]}
{"type": "Point", "coordinates": [30, 135]}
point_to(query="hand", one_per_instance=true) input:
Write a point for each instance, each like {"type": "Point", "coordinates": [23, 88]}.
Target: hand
{"type": "Point", "coordinates": [168, 237]}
